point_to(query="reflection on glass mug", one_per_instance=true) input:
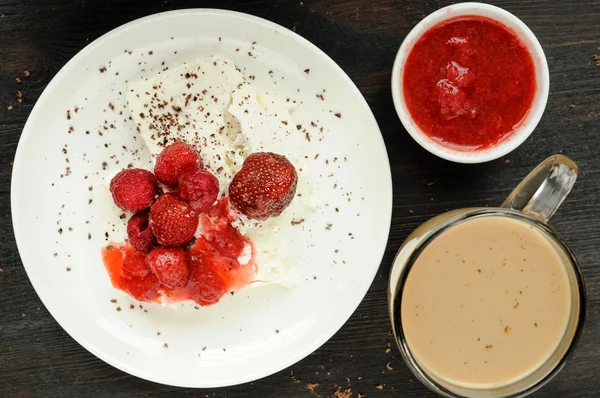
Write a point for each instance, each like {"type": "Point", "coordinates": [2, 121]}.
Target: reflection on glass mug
{"type": "Point", "coordinates": [489, 302]}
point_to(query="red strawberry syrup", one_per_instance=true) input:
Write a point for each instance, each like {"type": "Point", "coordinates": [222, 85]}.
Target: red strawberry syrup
{"type": "Point", "coordinates": [215, 269]}
{"type": "Point", "coordinates": [469, 82]}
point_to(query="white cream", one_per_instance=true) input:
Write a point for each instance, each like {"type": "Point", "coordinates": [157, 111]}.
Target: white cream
{"type": "Point", "coordinates": [189, 103]}
{"type": "Point", "coordinates": [210, 105]}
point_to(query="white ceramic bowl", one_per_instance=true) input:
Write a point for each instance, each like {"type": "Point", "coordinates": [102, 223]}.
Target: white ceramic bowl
{"type": "Point", "coordinates": [539, 101]}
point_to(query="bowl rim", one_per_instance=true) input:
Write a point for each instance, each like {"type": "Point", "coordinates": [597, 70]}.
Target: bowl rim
{"type": "Point", "coordinates": [530, 121]}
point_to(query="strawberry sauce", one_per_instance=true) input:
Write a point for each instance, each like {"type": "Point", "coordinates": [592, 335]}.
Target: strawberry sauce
{"type": "Point", "coordinates": [469, 82]}
{"type": "Point", "coordinates": [214, 267]}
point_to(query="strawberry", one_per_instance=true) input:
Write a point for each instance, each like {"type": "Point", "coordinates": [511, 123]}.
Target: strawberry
{"type": "Point", "coordinates": [205, 285]}
{"type": "Point", "coordinates": [135, 263]}
{"type": "Point", "coordinates": [172, 221]}
{"type": "Point", "coordinates": [139, 233]}
{"type": "Point", "coordinates": [133, 189]}
{"type": "Point", "coordinates": [142, 289]}
{"type": "Point", "coordinates": [171, 265]}
{"type": "Point", "coordinates": [174, 159]}
{"type": "Point", "coordinates": [199, 188]}
{"type": "Point", "coordinates": [264, 187]}
{"type": "Point", "coordinates": [138, 281]}
{"type": "Point", "coordinates": [229, 241]}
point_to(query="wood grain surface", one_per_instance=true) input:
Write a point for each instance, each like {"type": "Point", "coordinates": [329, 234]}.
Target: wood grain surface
{"type": "Point", "coordinates": [39, 359]}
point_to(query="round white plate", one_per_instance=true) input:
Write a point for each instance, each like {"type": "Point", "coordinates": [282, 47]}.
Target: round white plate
{"type": "Point", "coordinates": [259, 330]}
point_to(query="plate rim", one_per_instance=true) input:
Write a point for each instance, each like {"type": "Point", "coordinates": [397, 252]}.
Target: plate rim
{"type": "Point", "coordinates": [19, 232]}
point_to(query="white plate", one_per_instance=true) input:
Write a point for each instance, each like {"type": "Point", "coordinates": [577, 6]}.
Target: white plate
{"type": "Point", "coordinates": [257, 331]}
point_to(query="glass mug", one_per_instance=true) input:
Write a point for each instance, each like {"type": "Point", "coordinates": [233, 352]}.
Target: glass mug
{"type": "Point", "coordinates": [533, 201]}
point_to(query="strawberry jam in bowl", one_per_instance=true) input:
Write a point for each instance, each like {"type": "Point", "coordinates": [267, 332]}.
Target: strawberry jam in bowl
{"type": "Point", "coordinates": [470, 83]}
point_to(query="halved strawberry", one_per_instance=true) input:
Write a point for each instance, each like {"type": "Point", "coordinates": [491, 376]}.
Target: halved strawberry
{"type": "Point", "coordinates": [265, 185]}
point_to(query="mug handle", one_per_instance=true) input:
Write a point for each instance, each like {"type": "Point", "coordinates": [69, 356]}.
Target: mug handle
{"type": "Point", "coordinates": [544, 189]}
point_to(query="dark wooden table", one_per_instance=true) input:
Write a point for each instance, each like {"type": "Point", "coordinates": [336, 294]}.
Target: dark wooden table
{"type": "Point", "coordinates": [37, 358]}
